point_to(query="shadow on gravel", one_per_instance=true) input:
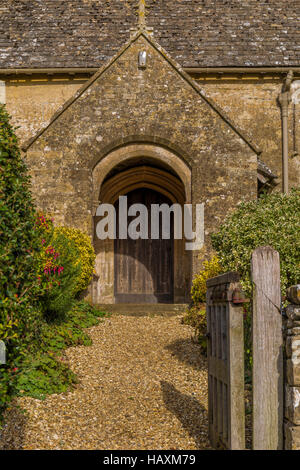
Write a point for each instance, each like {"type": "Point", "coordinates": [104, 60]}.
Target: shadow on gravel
{"type": "Point", "coordinates": [191, 414]}
{"type": "Point", "coordinates": [13, 431]}
{"type": "Point", "coordinates": [188, 352]}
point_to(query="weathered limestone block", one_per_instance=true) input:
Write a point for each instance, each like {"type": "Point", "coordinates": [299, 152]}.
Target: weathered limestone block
{"type": "Point", "coordinates": [292, 324]}
{"type": "Point", "coordinates": [292, 436]}
{"type": "Point", "coordinates": [292, 404]}
{"type": "Point", "coordinates": [293, 347]}
{"type": "Point", "coordinates": [293, 358]}
{"type": "Point", "coordinates": [294, 331]}
{"type": "Point", "coordinates": [293, 312]}
{"type": "Point", "coordinates": [293, 372]}
{"type": "Point", "coordinates": [293, 294]}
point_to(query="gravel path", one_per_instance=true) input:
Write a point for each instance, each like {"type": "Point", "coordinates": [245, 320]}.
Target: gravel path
{"type": "Point", "coordinates": [143, 385]}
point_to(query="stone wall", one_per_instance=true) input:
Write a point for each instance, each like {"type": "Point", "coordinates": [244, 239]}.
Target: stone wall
{"type": "Point", "coordinates": [252, 104]}
{"type": "Point", "coordinates": [32, 101]}
{"type": "Point", "coordinates": [292, 385]}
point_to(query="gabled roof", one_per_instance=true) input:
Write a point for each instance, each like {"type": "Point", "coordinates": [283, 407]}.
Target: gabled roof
{"type": "Point", "coordinates": [197, 33]}
{"type": "Point", "coordinates": [178, 70]}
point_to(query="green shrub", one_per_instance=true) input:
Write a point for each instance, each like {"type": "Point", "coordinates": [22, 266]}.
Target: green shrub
{"type": "Point", "coordinates": [59, 276]}
{"type": "Point", "coordinates": [39, 273]}
{"type": "Point", "coordinates": [211, 268]}
{"type": "Point", "coordinates": [42, 373]}
{"type": "Point", "coordinates": [273, 219]}
{"type": "Point", "coordinates": [196, 314]}
{"type": "Point", "coordinates": [66, 266]}
{"type": "Point", "coordinates": [86, 255]}
{"type": "Point", "coordinates": [196, 317]}
{"type": "Point", "coordinates": [59, 270]}
{"type": "Point", "coordinates": [20, 318]}
{"type": "Point", "coordinates": [69, 332]}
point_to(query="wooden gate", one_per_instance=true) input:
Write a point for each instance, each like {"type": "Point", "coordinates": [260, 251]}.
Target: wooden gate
{"type": "Point", "coordinates": [225, 362]}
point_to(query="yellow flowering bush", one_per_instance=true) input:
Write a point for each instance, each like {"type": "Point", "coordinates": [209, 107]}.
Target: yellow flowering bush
{"type": "Point", "coordinates": [86, 257]}
{"type": "Point", "coordinates": [212, 268]}
{"type": "Point", "coordinates": [196, 317]}
{"type": "Point", "coordinates": [196, 314]}
{"type": "Point", "coordinates": [274, 220]}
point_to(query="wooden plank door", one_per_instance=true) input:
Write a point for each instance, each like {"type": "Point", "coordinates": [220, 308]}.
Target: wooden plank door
{"type": "Point", "coordinates": [144, 268]}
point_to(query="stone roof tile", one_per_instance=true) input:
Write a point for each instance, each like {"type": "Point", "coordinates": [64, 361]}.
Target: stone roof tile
{"type": "Point", "coordinates": [197, 33]}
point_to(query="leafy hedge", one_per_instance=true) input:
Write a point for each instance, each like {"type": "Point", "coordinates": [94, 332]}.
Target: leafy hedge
{"type": "Point", "coordinates": [196, 315]}
{"type": "Point", "coordinates": [273, 219]}
{"type": "Point", "coordinates": [211, 268]}
{"type": "Point", "coordinates": [42, 270]}
{"type": "Point", "coordinates": [20, 317]}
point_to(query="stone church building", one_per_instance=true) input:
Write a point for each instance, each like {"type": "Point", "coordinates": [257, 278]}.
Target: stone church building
{"type": "Point", "coordinates": [175, 101]}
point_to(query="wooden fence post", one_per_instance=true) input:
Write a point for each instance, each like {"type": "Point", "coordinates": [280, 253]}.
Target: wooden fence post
{"type": "Point", "coordinates": [267, 351]}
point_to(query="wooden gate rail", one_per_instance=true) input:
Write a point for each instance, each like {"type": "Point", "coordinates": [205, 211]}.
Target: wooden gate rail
{"type": "Point", "coordinates": [225, 351]}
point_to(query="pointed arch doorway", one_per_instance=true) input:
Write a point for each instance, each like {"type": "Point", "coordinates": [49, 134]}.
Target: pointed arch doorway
{"type": "Point", "coordinates": [143, 272]}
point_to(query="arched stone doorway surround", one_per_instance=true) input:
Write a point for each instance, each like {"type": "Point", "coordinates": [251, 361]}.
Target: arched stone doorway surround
{"type": "Point", "coordinates": [132, 166]}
